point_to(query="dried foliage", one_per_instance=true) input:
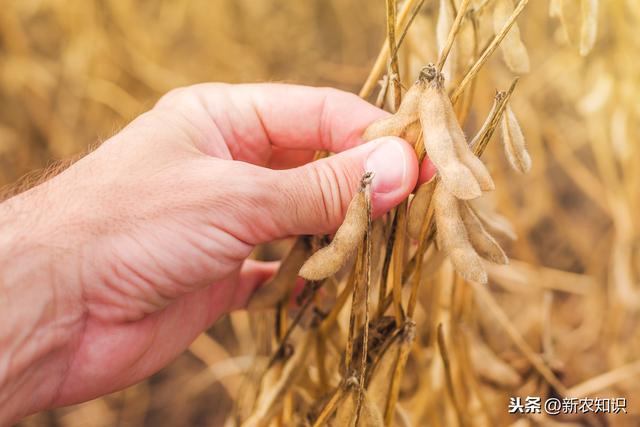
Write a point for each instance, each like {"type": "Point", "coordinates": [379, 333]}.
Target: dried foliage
{"type": "Point", "coordinates": [406, 332]}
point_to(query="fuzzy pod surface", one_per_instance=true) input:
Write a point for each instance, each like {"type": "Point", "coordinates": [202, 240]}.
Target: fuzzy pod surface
{"type": "Point", "coordinates": [328, 260]}
{"type": "Point", "coordinates": [401, 124]}
{"type": "Point", "coordinates": [514, 144]}
{"type": "Point", "coordinates": [439, 135]}
{"type": "Point", "coordinates": [513, 49]}
{"type": "Point", "coordinates": [453, 239]}
{"type": "Point", "coordinates": [484, 244]}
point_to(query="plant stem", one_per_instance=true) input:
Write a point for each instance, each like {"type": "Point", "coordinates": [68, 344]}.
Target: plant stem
{"type": "Point", "coordinates": [383, 55]}
{"type": "Point", "coordinates": [489, 50]}
{"type": "Point", "coordinates": [453, 32]}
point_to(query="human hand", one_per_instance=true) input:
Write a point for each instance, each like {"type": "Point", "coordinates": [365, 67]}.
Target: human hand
{"type": "Point", "coordinates": [110, 269]}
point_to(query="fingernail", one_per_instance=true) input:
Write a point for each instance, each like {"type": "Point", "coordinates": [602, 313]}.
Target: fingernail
{"type": "Point", "coordinates": [389, 165]}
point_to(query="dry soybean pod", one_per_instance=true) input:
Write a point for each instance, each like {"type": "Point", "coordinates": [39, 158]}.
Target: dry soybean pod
{"type": "Point", "coordinates": [438, 140]}
{"type": "Point", "coordinates": [495, 224]}
{"type": "Point", "coordinates": [452, 236]}
{"type": "Point", "coordinates": [484, 244]}
{"type": "Point", "coordinates": [589, 28]}
{"type": "Point", "coordinates": [556, 11]}
{"type": "Point", "coordinates": [555, 8]}
{"type": "Point", "coordinates": [513, 141]}
{"type": "Point", "coordinates": [467, 39]}
{"type": "Point", "coordinates": [419, 206]}
{"type": "Point", "coordinates": [398, 124]}
{"type": "Point", "coordinates": [328, 260]}
{"type": "Point", "coordinates": [371, 415]}
{"type": "Point", "coordinates": [466, 156]}
{"type": "Point", "coordinates": [490, 367]}
{"type": "Point", "coordinates": [282, 283]}
{"type": "Point", "coordinates": [513, 50]}
{"type": "Point", "coordinates": [271, 399]}
{"type": "Point", "coordinates": [345, 412]}
{"type": "Point", "coordinates": [389, 126]}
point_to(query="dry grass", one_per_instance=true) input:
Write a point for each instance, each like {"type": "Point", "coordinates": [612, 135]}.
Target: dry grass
{"type": "Point", "coordinates": [560, 319]}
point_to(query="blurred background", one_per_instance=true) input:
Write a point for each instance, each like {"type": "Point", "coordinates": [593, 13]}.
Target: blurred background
{"type": "Point", "coordinates": [73, 72]}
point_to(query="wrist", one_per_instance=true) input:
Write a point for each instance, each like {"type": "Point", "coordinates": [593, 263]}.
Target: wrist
{"type": "Point", "coordinates": [40, 314]}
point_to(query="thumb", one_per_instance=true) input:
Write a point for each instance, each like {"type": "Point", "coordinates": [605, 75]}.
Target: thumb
{"type": "Point", "coordinates": [314, 198]}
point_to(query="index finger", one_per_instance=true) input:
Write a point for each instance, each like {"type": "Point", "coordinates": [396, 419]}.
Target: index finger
{"type": "Point", "coordinates": [254, 118]}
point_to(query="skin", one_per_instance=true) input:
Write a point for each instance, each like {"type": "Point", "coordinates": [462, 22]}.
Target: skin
{"type": "Point", "coordinates": [109, 270]}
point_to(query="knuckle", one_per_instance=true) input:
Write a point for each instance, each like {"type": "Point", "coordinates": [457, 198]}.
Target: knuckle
{"type": "Point", "coordinates": [175, 96]}
{"type": "Point", "coordinates": [190, 95]}
{"type": "Point", "coordinates": [334, 187]}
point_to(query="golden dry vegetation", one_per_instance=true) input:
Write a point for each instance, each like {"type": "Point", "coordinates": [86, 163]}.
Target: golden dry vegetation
{"type": "Point", "coordinates": [559, 320]}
